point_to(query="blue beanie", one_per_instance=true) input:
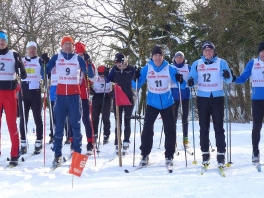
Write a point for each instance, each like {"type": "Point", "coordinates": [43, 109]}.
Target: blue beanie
{"type": "Point", "coordinates": [3, 35]}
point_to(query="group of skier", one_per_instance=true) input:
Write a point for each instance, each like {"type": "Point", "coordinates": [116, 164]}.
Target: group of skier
{"type": "Point", "coordinates": [73, 77]}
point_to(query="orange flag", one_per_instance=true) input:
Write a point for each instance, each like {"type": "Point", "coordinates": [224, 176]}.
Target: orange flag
{"type": "Point", "coordinates": [78, 163]}
{"type": "Point", "coordinates": [120, 97]}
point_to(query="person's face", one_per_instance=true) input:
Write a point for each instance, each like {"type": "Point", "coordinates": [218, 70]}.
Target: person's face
{"type": "Point", "coordinates": [67, 47]}
{"type": "Point", "coordinates": [179, 59]}
{"type": "Point", "coordinates": [3, 43]}
{"type": "Point", "coordinates": [31, 51]}
{"type": "Point", "coordinates": [208, 53]}
{"type": "Point", "coordinates": [120, 65]}
{"type": "Point", "coordinates": [157, 59]}
{"type": "Point", "coordinates": [261, 55]}
{"type": "Point", "coordinates": [81, 54]}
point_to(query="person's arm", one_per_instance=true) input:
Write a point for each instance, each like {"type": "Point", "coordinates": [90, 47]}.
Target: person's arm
{"type": "Point", "coordinates": [141, 79]}
{"type": "Point", "coordinates": [51, 63]}
{"type": "Point", "coordinates": [173, 72]}
{"type": "Point", "coordinates": [89, 70]}
{"type": "Point", "coordinates": [193, 74]}
{"type": "Point", "coordinates": [19, 65]}
{"type": "Point", "coordinates": [244, 76]}
{"type": "Point", "coordinates": [224, 68]}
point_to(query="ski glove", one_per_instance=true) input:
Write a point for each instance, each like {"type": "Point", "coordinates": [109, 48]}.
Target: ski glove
{"type": "Point", "coordinates": [92, 92]}
{"type": "Point", "coordinates": [87, 58]}
{"type": "Point", "coordinates": [190, 82]}
{"type": "Point", "coordinates": [226, 74]}
{"type": "Point", "coordinates": [44, 58]}
{"type": "Point", "coordinates": [106, 71]}
{"type": "Point", "coordinates": [179, 78]}
{"type": "Point", "coordinates": [137, 73]}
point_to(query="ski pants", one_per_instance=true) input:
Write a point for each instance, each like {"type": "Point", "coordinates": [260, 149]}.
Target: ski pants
{"type": "Point", "coordinates": [257, 114]}
{"type": "Point", "coordinates": [32, 99]}
{"type": "Point", "coordinates": [86, 121]}
{"type": "Point", "coordinates": [185, 113]}
{"type": "Point", "coordinates": [213, 106]}
{"type": "Point", "coordinates": [67, 105]}
{"type": "Point", "coordinates": [127, 121]}
{"type": "Point", "coordinates": [101, 104]}
{"type": "Point", "coordinates": [8, 103]}
{"type": "Point", "coordinates": [168, 119]}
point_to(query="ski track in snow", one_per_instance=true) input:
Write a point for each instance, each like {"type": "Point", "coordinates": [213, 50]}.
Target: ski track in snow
{"type": "Point", "coordinates": [32, 179]}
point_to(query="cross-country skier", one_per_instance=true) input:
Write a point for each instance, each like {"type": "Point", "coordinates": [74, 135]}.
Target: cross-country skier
{"type": "Point", "coordinates": [209, 73]}
{"type": "Point", "coordinates": [30, 94]}
{"type": "Point", "coordinates": [10, 64]}
{"type": "Point", "coordinates": [158, 73]}
{"type": "Point", "coordinates": [255, 69]}
{"type": "Point", "coordinates": [101, 102]}
{"type": "Point", "coordinates": [68, 101]}
{"type": "Point", "coordinates": [122, 73]}
{"type": "Point", "coordinates": [184, 69]}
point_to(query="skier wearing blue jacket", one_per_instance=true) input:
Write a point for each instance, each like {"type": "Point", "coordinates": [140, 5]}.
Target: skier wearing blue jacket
{"type": "Point", "coordinates": [209, 72]}
{"type": "Point", "coordinates": [255, 69]}
{"type": "Point", "coordinates": [184, 69]}
{"type": "Point", "coordinates": [68, 101]}
{"type": "Point", "coordinates": [158, 74]}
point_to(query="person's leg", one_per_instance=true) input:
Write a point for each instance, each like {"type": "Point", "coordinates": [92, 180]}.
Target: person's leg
{"type": "Point", "coordinates": [10, 108]}
{"type": "Point", "coordinates": [217, 111]}
{"type": "Point", "coordinates": [257, 114]}
{"type": "Point", "coordinates": [204, 122]}
{"type": "Point", "coordinates": [168, 120]}
{"type": "Point", "coordinates": [148, 130]}
{"type": "Point", "coordinates": [74, 104]}
{"type": "Point", "coordinates": [60, 113]}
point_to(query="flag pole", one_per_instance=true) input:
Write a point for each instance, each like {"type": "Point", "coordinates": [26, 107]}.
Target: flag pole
{"type": "Point", "coordinates": [118, 135]}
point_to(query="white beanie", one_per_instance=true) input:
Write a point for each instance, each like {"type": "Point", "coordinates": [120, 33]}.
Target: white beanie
{"type": "Point", "coordinates": [31, 43]}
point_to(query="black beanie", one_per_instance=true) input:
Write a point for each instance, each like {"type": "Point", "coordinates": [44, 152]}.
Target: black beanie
{"type": "Point", "coordinates": [261, 47]}
{"type": "Point", "coordinates": [157, 50]}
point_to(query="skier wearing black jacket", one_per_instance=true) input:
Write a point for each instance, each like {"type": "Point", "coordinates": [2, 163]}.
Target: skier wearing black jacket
{"type": "Point", "coordinates": [123, 74]}
{"type": "Point", "coordinates": [10, 65]}
{"type": "Point", "coordinates": [30, 94]}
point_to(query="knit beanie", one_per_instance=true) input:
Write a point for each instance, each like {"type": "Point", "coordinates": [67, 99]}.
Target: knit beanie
{"type": "Point", "coordinates": [3, 35]}
{"type": "Point", "coordinates": [31, 43]}
{"type": "Point", "coordinates": [67, 39]}
{"type": "Point", "coordinates": [261, 47]}
{"type": "Point", "coordinates": [101, 69]}
{"type": "Point", "coordinates": [208, 44]}
{"type": "Point", "coordinates": [80, 47]}
{"type": "Point", "coordinates": [157, 50]}
{"type": "Point", "coordinates": [120, 58]}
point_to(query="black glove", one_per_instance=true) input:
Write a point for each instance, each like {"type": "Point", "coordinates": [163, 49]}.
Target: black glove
{"type": "Point", "coordinates": [92, 92]}
{"type": "Point", "coordinates": [44, 58]}
{"type": "Point", "coordinates": [234, 77]}
{"type": "Point", "coordinates": [106, 71]}
{"type": "Point", "coordinates": [226, 74]}
{"type": "Point", "coordinates": [137, 73]}
{"type": "Point", "coordinates": [179, 78]}
{"type": "Point", "coordinates": [111, 93]}
{"type": "Point", "coordinates": [190, 82]}
{"type": "Point", "coordinates": [87, 57]}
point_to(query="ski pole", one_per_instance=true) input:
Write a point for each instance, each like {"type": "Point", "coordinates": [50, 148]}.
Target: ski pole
{"type": "Point", "coordinates": [90, 108]}
{"type": "Point", "coordinates": [161, 135]}
{"type": "Point", "coordinates": [212, 149]}
{"type": "Point", "coordinates": [194, 159]}
{"type": "Point", "coordinates": [0, 129]}
{"type": "Point", "coordinates": [23, 110]}
{"type": "Point", "coordinates": [139, 120]}
{"type": "Point", "coordinates": [182, 125]}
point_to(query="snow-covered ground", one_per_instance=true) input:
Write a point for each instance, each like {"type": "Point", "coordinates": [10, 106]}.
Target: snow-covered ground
{"type": "Point", "coordinates": [32, 179]}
